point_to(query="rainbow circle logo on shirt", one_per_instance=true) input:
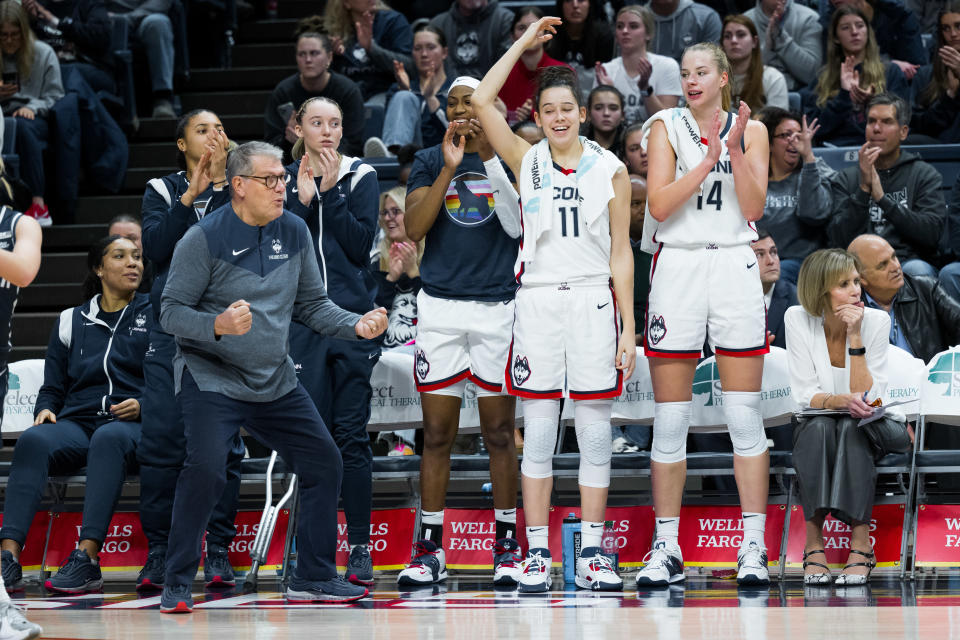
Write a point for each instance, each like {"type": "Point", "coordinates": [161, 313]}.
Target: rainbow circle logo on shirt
{"type": "Point", "coordinates": [469, 199]}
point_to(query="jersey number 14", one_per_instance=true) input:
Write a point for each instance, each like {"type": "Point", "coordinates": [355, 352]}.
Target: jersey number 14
{"type": "Point", "coordinates": [713, 197]}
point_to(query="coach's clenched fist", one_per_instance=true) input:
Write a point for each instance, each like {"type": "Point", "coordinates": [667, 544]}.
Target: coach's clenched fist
{"type": "Point", "coordinates": [235, 321]}
{"type": "Point", "coordinates": [372, 324]}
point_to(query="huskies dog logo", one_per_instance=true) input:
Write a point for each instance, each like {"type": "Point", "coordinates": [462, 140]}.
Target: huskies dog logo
{"type": "Point", "coordinates": [277, 247]}
{"type": "Point", "coordinates": [658, 329]}
{"type": "Point", "coordinates": [521, 370]}
{"type": "Point", "coordinates": [421, 365]}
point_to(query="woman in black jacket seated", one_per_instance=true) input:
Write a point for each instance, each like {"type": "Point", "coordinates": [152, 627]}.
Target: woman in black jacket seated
{"type": "Point", "coordinates": [87, 412]}
{"type": "Point", "coordinates": [936, 99]}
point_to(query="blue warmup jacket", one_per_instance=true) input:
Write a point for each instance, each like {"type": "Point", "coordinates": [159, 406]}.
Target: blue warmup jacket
{"type": "Point", "coordinates": [166, 219]}
{"type": "Point", "coordinates": [343, 225]}
{"type": "Point", "coordinates": [91, 365]}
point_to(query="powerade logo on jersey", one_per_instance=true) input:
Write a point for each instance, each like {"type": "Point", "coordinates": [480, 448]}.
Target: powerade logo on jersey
{"type": "Point", "coordinates": [469, 200]}
{"type": "Point", "coordinates": [946, 371]}
{"type": "Point", "coordinates": [707, 381]}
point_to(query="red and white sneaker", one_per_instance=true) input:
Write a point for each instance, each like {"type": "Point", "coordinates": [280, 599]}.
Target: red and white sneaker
{"type": "Point", "coordinates": [40, 213]}
{"type": "Point", "coordinates": [535, 572]}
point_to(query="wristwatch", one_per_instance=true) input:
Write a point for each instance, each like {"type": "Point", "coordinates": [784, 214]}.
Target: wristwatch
{"type": "Point", "coordinates": [862, 351]}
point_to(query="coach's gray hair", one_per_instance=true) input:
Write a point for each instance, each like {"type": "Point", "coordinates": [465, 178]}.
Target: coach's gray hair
{"type": "Point", "coordinates": [240, 160]}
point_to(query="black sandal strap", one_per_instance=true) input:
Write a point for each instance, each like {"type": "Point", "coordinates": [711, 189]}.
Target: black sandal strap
{"type": "Point", "coordinates": [870, 557]}
{"type": "Point", "coordinates": [807, 554]}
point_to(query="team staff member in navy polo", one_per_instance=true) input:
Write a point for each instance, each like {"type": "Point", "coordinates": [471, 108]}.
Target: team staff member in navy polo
{"type": "Point", "coordinates": [237, 279]}
{"type": "Point", "coordinates": [87, 412]}
{"type": "Point", "coordinates": [337, 197]}
{"type": "Point", "coordinates": [20, 239]}
{"type": "Point", "coordinates": [172, 204]}
{"type": "Point", "coordinates": [464, 324]}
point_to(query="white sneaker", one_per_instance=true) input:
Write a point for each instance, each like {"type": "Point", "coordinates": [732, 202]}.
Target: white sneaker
{"type": "Point", "coordinates": [13, 626]}
{"type": "Point", "coordinates": [535, 572]}
{"type": "Point", "coordinates": [663, 565]}
{"type": "Point", "coordinates": [427, 566]}
{"type": "Point", "coordinates": [752, 565]}
{"type": "Point", "coordinates": [374, 148]}
{"type": "Point", "coordinates": [595, 571]}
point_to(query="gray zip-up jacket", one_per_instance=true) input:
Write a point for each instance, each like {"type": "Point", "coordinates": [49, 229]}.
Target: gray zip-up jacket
{"type": "Point", "coordinates": [689, 24]}
{"type": "Point", "coordinates": [220, 260]}
{"type": "Point", "coordinates": [798, 209]}
{"type": "Point", "coordinates": [797, 51]}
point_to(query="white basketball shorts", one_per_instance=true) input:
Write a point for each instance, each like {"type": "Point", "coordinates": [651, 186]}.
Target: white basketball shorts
{"type": "Point", "coordinates": [565, 343]}
{"type": "Point", "coordinates": [713, 291]}
{"type": "Point", "coordinates": [460, 339]}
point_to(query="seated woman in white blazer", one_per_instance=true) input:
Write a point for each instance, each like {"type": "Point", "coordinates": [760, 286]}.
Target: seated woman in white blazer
{"type": "Point", "coordinates": [838, 356]}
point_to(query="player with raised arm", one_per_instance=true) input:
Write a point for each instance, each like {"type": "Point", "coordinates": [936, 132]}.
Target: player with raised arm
{"type": "Point", "coordinates": [567, 338]}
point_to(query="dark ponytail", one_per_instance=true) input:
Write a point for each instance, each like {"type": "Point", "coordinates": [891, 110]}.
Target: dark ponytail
{"type": "Point", "coordinates": [558, 76]}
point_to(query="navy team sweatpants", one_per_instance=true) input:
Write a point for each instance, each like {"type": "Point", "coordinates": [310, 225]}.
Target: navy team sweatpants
{"type": "Point", "coordinates": [292, 427]}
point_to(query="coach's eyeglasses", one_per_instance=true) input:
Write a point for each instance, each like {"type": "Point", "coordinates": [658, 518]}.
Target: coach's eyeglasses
{"type": "Point", "coordinates": [787, 135]}
{"type": "Point", "coordinates": [270, 182]}
{"type": "Point", "coordinates": [393, 212]}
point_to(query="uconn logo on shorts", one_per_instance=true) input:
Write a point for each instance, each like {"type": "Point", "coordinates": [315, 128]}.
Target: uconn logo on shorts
{"type": "Point", "coordinates": [421, 365]}
{"type": "Point", "coordinates": [657, 330]}
{"type": "Point", "coordinates": [469, 200]}
{"type": "Point", "coordinates": [521, 370]}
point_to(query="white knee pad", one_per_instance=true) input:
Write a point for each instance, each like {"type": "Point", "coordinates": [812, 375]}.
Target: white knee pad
{"type": "Point", "coordinates": [742, 410]}
{"type": "Point", "coordinates": [592, 419]}
{"type": "Point", "coordinates": [671, 421]}
{"type": "Point", "coordinates": [540, 419]}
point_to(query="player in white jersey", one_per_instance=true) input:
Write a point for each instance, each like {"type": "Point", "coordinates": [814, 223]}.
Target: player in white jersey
{"type": "Point", "coordinates": [707, 184]}
{"type": "Point", "coordinates": [567, 340]}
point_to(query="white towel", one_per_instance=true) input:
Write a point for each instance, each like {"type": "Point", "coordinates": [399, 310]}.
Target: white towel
{"type": "Point", "coordinates": [536, 190]}
{"type": "Point", "coordinates": [683, 132]}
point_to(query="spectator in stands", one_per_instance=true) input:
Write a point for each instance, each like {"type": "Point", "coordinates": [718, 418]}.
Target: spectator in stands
{"type": "Point", "coordinates": [649, 82]}
{"type": "Point", "coordinates": [753, 82]}
{"type": "Point", "coordinates": [130, 227]}
{"type": "Point", "coordinates": [87, 412]}
{"type": "Point", "coordinates": [517, 92]}
{"type": "Point", "coordinates": [79, 31]}
{"type": "Point", "coordinates": [337, 197]}
{"type": "Point", "coordinates": [799, 199]}
{"type": "Point", "coordinates": [854, 73]}
{"type": "Point", "coordinates": [583, 39]}
{"type": "Point", "coordinates": [314, 78]}
{"type": "Point", "coordinates": [405, 156]}
{"type": "Point", "coordinates": [934, 89]}
{"type": "Point", "coordinates": [837, 353]}
{"type": "Point", "coordinates": [895, 26]}
{"type": "Point", "coordinates": [477, 31]}
{"type": "Point", "coordinates": [151, 26]}
{"type": "Point", "coordinates": [792, 39]}
{"type": "Point", "coordinates": [19, 264]}
{"type": "Point", "coordinates": [924, 318]}
{"type": "Point", "coordinates": [367, 38]}
{"type": "Point", "coordinates": [634, 155]}
{"type": "Point", "coordinates": [171, 205]}
{"type": "Point", "coordinates": [416, 104]}
{"type": "Point", "coordinates": [397, 271]}
{"type": "Point", "coordinates": [605, 122]}
{"type": "Point", "coordinates": [681, 23]}
{"type": "Point", "coordinates": [893, 194]}
{"type": "Point", "coordinates": [641, 259]}
{"type": "Point", "coordinates": [779, 294]}
{"type": "Point", "coordinates": [31, 85]}
{"type": "Point", "coordinates": [927, 13]}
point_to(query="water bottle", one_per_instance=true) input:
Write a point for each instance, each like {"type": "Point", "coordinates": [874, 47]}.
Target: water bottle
{"type": "Point", "coordinates": [611, 545]}
{"type": "Point", "coordinates": [570, 538]}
